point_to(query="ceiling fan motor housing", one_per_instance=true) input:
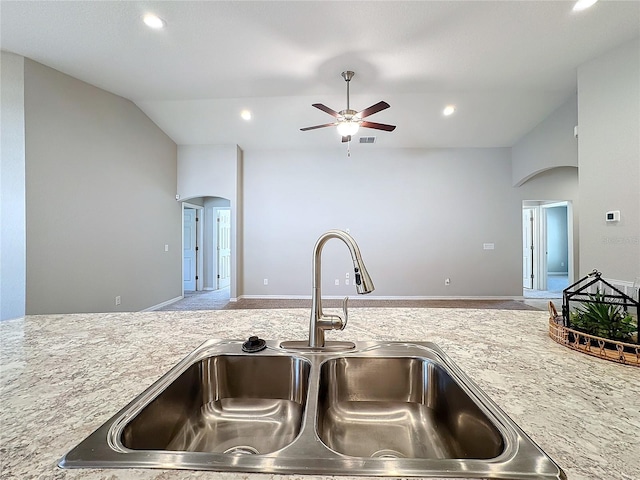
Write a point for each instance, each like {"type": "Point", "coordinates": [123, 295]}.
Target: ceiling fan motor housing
{"type": "Point", "coordinates": [349, 115]}
{"type": "Point", "coordinates": [348, 120]}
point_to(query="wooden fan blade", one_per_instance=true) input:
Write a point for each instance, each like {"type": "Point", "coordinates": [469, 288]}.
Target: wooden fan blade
{"type": "Point", "coordinates": [324, 108]}
{"type": "Point", "coordinates": [318, 126]}
{"type": "Point", "coordinates": [378, 126]}
{"type": "Point", "coordinates": [346, 139]}
{"type": "Point", "coordinates": [373, 109]}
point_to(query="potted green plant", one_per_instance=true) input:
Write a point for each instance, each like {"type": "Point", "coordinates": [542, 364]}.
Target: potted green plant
{"type": "Point", "coordinates": [600, 318]}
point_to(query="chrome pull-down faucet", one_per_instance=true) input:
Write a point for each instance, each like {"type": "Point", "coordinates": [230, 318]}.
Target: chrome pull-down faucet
{"type": "Point", "coordinates": [320, 322]}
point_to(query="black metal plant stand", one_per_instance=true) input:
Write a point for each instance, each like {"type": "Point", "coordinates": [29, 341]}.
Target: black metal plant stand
{"type": "Point", "coordinates": [582, 292]}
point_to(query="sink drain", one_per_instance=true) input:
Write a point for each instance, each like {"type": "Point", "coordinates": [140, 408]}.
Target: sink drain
{"type": "Point", "coordinates": [242, 450]}
{"type": "Point", "coordinates": [386, 453]}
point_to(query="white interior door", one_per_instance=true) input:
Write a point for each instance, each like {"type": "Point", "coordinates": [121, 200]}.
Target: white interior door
{"type": "Point", "coordinates": [189, 247]}
{"type": "Point", "coordinates": [223, 223]}
{"type": "Point", "coordinates": [527, 247]}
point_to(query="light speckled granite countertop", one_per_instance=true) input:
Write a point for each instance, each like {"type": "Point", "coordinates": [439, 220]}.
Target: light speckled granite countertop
{"type": "Point", "coordinates": [62, 376]}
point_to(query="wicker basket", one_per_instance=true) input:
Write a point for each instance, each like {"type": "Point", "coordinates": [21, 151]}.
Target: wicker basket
{"type": "Point", "coordinates": [590, 344]}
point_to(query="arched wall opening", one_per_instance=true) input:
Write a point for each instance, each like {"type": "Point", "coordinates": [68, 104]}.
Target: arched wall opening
{"type": "Point", "coordinates": [215, 172]}
{"type": "Point", "coordinates": [207, 230]}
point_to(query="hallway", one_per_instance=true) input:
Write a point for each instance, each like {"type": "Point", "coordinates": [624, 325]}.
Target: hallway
{"type": "Point", "coordinates": [555, 285]}
{"type": "Point", "coordinates": [201, 300]}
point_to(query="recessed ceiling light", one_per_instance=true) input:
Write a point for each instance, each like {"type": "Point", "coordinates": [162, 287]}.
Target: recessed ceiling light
{"type": "Point", "coordinates": [153, 21]}
{"type": "Point", "coordinates": [583, 5]}
{"type": "Point", "coordinates": [245, 114]}
{"type": "Point", "coordinates": [449, 110]}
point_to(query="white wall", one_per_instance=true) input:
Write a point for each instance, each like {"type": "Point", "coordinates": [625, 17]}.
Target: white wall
{"type": "Point", "coordinates": [207, 170]}
{"type": "Point", "coordinates": [100, 183]}
{"type": "Point", "coordinates": [419, 216]}
{"type": "Point", "coordinates": [609, 162]}
{"type": "Point", "coordinates": [12, 188]}
{"type": "Point", "coordinates": [549, 145]}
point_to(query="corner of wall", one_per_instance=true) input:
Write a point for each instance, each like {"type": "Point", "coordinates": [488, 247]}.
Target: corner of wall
{"type": "Point", "coordinates": [12, 189]}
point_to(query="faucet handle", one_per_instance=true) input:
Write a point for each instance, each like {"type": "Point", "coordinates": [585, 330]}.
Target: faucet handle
{"type": "Point", "coordinates": [344, 313]}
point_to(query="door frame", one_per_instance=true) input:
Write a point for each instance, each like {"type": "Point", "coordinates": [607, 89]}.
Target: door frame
{"type": "Point", "coordinates": [199, 242]}
{"type": "Point", "coordinates": [540, 265]}
{"type": "Point", "coordinates": [531, 246]}
{"type": "Point", "coordinates": [570, 260]}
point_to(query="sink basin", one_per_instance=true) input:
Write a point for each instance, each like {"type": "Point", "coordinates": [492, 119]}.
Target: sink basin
{"type": "Point", "coordinates": [392, 409]}
{"type": "Point", "coordinates": [225, 404]}
{"type": "Point", "coordinates": [400, 408]}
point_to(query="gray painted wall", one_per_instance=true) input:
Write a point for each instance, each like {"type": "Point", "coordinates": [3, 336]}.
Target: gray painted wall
{"type": "Point", "coordinates": [101, 183]}
{"type": "Point", "coordinates": [550, 144]}
{"type": "Point", "coordinates": [609, 162]}
{"type": "Point", "coordinates": [12, 188]}
{"type": "Point", "coordinates": [419, 216]}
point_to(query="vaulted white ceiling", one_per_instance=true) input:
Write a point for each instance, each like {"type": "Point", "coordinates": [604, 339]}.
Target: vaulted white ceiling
{"type": "Point", "coordinates": [505, 64]}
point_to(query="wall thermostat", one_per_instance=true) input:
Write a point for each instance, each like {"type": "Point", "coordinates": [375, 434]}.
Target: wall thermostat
{"type": "Point", "coordinates": [613, 216]}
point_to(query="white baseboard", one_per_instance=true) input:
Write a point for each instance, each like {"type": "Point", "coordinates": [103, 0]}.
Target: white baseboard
{"type": "Point", "coordinates": [367, 297]}
{"type": "Point", "coordinates": [163, 304]}
{"type": "Point", "coordinates": [279, 297]}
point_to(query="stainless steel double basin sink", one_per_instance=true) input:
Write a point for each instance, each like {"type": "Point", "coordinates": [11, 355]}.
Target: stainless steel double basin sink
{"type": "Point", "coordinates": [377, 409]}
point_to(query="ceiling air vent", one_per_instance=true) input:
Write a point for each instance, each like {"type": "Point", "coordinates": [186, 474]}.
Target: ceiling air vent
{"type": "Point", "coordinates": [367, 139]}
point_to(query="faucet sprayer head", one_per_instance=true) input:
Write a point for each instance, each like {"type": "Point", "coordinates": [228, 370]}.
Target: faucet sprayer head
{"type": "Point", "coordinates": [363, 281]}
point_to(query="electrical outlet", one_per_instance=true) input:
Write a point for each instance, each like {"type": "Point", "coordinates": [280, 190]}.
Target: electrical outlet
{"type": "Point", "coordinates": [346, 275]}
{"type": "Point", "coordinates": [346, 282]}
{"type": "Point", "coordinates": [447, 281]}
{"type": "Point", "coordinates": [118, 300]}
{"type": "Point", "coordinates": [265, 281]}
{"type": "Point", "coordinates": [166, 247]}
{"type": "Point", "coordinates": [337, 282]}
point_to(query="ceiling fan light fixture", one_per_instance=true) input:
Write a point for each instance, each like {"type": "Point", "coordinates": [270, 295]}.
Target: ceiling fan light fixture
{"type": "Point", "coordinates": [153, 21]}
{"type": "Point", "coordinates": [583, 5]}
{"type": "Point", "coordinates": [348, 128]}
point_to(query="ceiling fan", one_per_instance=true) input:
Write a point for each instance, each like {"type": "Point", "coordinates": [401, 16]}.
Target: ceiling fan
{"type": "Point", "coordinates": [349, 121]}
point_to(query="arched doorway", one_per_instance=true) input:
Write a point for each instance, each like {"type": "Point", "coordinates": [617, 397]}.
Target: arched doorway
{"type": "Point", "coordinates": [547, 233]}
{"type": "Point", "coordinates": [207, 243]}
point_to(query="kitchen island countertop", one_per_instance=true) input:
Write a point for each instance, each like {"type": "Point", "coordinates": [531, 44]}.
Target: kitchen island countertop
{"type": "Point", "coordinates": [62, 376]}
